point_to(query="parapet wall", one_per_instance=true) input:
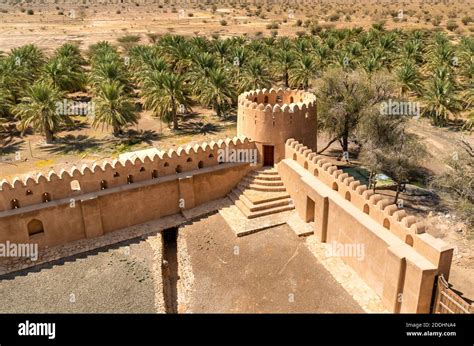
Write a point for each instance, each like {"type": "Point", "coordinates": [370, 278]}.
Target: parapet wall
{"type": "Point", "coordinates": [39, 188]}
{"type": "Point", "coordinates": [135, 191]}
{"type": "Point", "coordinates": [401, 260]}
{"type": "Point", "coordinates": [270, 117]}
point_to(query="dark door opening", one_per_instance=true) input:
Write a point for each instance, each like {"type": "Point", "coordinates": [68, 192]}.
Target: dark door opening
{"type": "Point", "coordinates": [170, 269]}
{"type": "Point", "coordinates": [268, 153]}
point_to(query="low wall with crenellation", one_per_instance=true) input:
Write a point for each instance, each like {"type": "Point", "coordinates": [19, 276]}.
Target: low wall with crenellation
{"type": "Point", "coordinates": [92, 201]}
{"type": "Point", "coordinates": [400, 259]}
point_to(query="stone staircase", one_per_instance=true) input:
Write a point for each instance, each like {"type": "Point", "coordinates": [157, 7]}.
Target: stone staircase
{"type": "Point", "coordinates": [261, 193]}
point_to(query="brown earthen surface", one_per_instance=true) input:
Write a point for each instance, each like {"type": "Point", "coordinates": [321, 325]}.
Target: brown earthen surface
{"type": "Point", "coordinates": [272, 272]}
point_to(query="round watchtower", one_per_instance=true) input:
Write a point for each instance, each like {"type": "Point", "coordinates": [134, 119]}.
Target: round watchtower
{"type": "Point", "coordinates": [270, 117]}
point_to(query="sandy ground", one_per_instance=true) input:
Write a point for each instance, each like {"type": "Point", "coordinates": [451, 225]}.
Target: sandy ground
{"type": "Point", "coordinates": [53, 25]}
{"type": "Point", "coordinates": [270, 271]}
{"type": "Point", "coordinates": [118, 279]}
{"type": "Point", "coordinates": [85, 145]}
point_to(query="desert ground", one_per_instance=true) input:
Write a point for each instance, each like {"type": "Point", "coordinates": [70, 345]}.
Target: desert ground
{"type": "Point", "coordinates": [54, 24]}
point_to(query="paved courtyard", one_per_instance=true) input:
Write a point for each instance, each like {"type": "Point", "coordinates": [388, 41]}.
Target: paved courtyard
{"type": "Point", "coordinates": [264, 272]}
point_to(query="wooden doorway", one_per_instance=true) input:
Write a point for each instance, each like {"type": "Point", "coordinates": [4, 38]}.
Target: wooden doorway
{"type": "Point", "coordinates": [268, 152]}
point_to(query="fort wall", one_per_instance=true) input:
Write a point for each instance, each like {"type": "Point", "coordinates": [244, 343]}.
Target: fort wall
{"type": "Point", "coordinates": [400, 260]}
{"type": "Point", "coordinates": [135, 191]}
{"type": "Point", "coordinates": [270, 117]}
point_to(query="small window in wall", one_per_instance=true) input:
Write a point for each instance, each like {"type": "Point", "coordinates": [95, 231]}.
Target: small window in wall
{"type": "Point", "coordinates": [348, 196]}
{"type": "Point", "coordinates": [335, 187]}
{"type": "Point", "coordinates": [103, 184]}
{"type": "Point", "coordinates": [278, 99]}
{"type": "Point", "coordinates": [316, 172]}
{"type": "Point", "coordinates": [409, 240]}
{"type": "Point", "coordinates": [179, 169]}
{"type": "Point", "coordinates": [366, 209]}
{"type": "Point", "coordinates": [211, 155]}
{"type": "Point", "coordinates": [200, 164]}
{"type": "Point", "coordinates": [75, 186]}
{"type": "Point", "coordinates": [189, 159]}
{"type": "Point", "coordinates": [265, 99]}
{"type": "Point", "coordinates": [255, 99]}
{"type": "Point", "coordinates": [154, 174]}
{"type": "Point", "coordinates": [129, 179]}
{"type": "Point", "coordinates": [292, 99]}
{"type": "Point", "coordinates": [29, 192]}
{"type": "Point", "coordinates": [294, 156]}
{"type": "Point", "coordinates": [46, 197]}
{"type": "Point", "coordinates": [116, 175]}
{"type": "Point", "coordinates": [35, 227]}
{"type": "Point", "coordinates": [306, 165]}
{"type": "Point", "coordinates": [15, 204]}
{"type": "Point", "coordinates": [386, 223]}
{"type": "Point", "coordinates": [166, 164]}
{"type": "Point", "coordinates": [142, 169]}
{"type": "Point", "coordinates": [306, 115]}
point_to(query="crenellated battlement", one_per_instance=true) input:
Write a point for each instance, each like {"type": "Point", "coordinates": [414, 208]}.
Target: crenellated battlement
{"type": "Point", "coordinates": [270, 117]}
{"type": "Point", "coordinates": [380, 208]}
{"type": "Point", "coordinates": [277, 100]}
{"type": "Point", "coordinates": [39, 188]}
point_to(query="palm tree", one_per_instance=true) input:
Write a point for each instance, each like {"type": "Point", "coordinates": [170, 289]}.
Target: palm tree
{"type": "Point", "coordinates": [440, 52]}
{"type": "Point", "coordinates": [222, 48]}
{"type": "Point", "coordinates": [28, 58]}
{"type": "Point", "coordinates": [20, 69]}
{"type": "Point", "coordinates": [10, 85]}
{"type": "Point", "coordinates": [441, 101]}
{"type": "Point", "coordinates": [283, 64]}
{"type": "Point", "coordinates": [177, 52]}
{"type": "Point", "coordinates": [408, 78]}
{"type": "Point", "coordinates": [63, 74]}
{"type": "Point", "coordinates": [39, 109]}
{"type": "Point", "coordinates": [71, 52]}
{"type": "Point", "coordinates": [146, 60]}
{"type": "Point", "coordinates": [203, 63]}
{"type": "Point", "coordinates": [165, 93]}
{"type": "Point", "coordinates": [107, 72]}
{"type": "Point", "coordinates": [255, 75]}
{"type": "Point", "coordinates": [5, 102]}
{"type": "Point", "coordinates": [217, 90]}
{"type": "Point", "coordinates": [113, 107]}
{"type": "Point", "coordinates": [303, 70]}
{"type": "Point", "coordinates": [323, 55]}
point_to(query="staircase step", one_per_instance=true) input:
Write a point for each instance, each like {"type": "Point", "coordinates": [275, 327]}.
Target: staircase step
{"type": "Point", "coordinates": [269, 171]}
{"type": "Point", "coordinates": [253, 214]}
{"type": "Point", "coordinates": [266, 204]}
{"type": "Point", "coordinates": [262, 182]}
{"type": "Point", "coordinates": [256, 197]}
{"type": "Point", "coordinates": [263, 188]}
{"type": "Point", "coordinates": [269, 177]}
